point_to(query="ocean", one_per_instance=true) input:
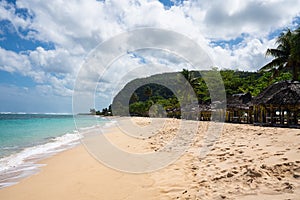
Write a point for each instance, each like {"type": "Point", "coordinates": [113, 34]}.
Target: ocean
{"type": "Point", "coordinates": [27, 138]}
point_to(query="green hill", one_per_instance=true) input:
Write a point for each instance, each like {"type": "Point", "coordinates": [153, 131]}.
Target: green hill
{"type": "Point", "coordinates": [137, 97]}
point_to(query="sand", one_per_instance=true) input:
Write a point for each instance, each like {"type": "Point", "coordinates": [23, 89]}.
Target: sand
{"type": "Point", "coordinates": [245, 162]}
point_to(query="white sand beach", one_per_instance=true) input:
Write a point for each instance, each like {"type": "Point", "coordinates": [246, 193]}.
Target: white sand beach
{"type": "Point", "coordinates": [246, 162]}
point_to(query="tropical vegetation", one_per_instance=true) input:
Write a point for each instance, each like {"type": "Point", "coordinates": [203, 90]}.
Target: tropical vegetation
{"type": "Point", "coordinates": [286, 55]}
{"type": "Point", "coordinates": [150, 94]}
{"type": "Point", "coordinates": [146, 92]}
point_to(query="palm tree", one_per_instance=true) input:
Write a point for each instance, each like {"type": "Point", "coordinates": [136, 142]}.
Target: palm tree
{"type": "Point", "coordinates": [191, 77]}
{"type": "Point", "coordinates": [285, 54]}
{"type": "Point", "coordinates": [148, 92]}
{"type": "Point", "coordinates": [296, 50]}
{"type": "Point", "coordinates": [192, 82]}
{"type": "Point", "coordinates": [134, 98]}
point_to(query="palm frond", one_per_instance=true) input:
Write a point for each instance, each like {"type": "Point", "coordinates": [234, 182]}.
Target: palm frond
{"type": "Point", "coordinates": [284, 37]}
{"type": "Point", "coordinates": [286, 55]}
{"type": "Point", "coordinates": [274, 63]}
{"type": "Point", "coordinates": [274, 52]}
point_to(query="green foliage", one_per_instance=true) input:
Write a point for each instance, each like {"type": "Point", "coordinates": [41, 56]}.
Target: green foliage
{"type": "Point", "coordinates": [286, 55]}
{"type": "Point", "coordinates": [149, 90]}
{"type": "Point", "coordinates": [139, 108]}
{"type": "Point", "coordinates": [104, 112]}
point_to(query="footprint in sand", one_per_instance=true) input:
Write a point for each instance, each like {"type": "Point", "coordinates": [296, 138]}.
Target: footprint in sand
{"type": "Point", "coordinates": [278, 154]}
{"type": "Point", "coordinates": [296, 173]}
{"type": "Point", "coordinates": [222, 159]}
{"type": "Point", "coordinates": [240, 151]}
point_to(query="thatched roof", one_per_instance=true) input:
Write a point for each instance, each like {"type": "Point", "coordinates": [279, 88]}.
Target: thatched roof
{"type": "Point", "coordinates": [280, 93]}
{"type": "Point", "coordinates": [204, 107]}
{"type": "Point", "coordinates": [211, 107]}
{"type": "Point", "coordinates": [239, 101]}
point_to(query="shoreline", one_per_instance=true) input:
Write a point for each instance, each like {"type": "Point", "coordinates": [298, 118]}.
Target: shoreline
{"type": "Point", "coordinates": [67, 177]}
{"type": "Point", "coordinates": [29, 164]}
{"type": "Point", "coordinates": [24, 163]}
{"type": "Point", "coordinates": [246, 162]}
{"type": "Point", "coordinates": [106, 183]}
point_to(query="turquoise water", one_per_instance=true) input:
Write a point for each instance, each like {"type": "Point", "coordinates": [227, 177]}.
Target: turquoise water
{"type": "Point", "coordinates": [19, 131]}
{"type": "Point", "coordinates": [26, 138]}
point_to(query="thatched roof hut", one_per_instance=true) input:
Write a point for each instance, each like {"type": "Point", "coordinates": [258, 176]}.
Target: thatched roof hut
{"type": "Point", "coordinates": [280, 93]}
{"type": "Point", "coordinates": [239, 108]}
{"type": "Point", "coordinates": [279, 104]}
{"type": "Point", "coordinates": [239, 101]}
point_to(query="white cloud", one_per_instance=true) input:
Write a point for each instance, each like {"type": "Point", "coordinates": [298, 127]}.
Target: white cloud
{"type": "Point", "coordinates": [58, 61]}
{"type": "Point", "coordinates": [249, 55]}
{"type": "Point", "coordinates": [75, 27]}
{"type": "Point", "coordinates": [14, 62]}
{"type": "Point", "coordinates": [43, 68]}
{"type": "Point", "coordinates": [72, 24]}
{"type": "Point", "coordinates": [228, 19]}
{"type": "Point", "coordinates": [18, 99]}
{"type": "Point", "coordinates": [7, 12]}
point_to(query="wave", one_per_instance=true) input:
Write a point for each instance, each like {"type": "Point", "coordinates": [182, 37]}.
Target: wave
{"type": "Point", "coordinates": [34, 152]}
{"type": "Point", "coordinates": [109, 124]}
{"type": "Point", "coordinates": [57, 113]}
{"type": "Point", "coordinates": [33, 113]}
{"type": "Point", "coordinates": [9, 147]}
{"type": "Point", "coordinates": [24, 163]}
{"type": "Point", "coordinates": [21, 164]}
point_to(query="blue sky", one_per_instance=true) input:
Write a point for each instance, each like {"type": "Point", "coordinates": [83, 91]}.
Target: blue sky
{"type": "Point", "coordinates": [44, 43]}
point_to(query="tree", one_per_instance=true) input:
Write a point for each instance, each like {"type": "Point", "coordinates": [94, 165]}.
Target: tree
{"type": "Point", "coordinates": [295, 52]}
{"type": "Point", "coordinates": [134, 98]}
{"type": "Point", "coordinates": [192, 81]}
{"type": "Point", "coordinates": [191, 77]}
{"type": "Point", "coordinates": [148, 92]}
{"type": "Point", "coordinates": [92, 111]}
{"type": "Point", "coordinates": [286, 55]}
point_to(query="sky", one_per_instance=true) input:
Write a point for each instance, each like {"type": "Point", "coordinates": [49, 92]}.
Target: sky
{"type": "Point", "coordinates": [45, 44]}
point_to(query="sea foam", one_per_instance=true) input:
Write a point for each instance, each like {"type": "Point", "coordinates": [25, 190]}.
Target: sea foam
{"type": "Point", "coordinates": [23, 163]}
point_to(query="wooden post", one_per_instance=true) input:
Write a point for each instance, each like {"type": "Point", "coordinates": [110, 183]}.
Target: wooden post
{"type": "Point", "coordinates": [250, 115]}
{"type": "Point", "coordinates": [263, 115]}
{"type": "Point", "coordinates": [297, 112]}
{"type": "Point", "coordinates": [254, 112]}
{"type": "Point", "coordinates": [282, 116]}
{"type": "Point", "coordinates": [295, 117]}
{"type": "Point", "coordinates": [272, 114]}
{"type": "Point", "coordinates": [288, 117]}
{"type": "Point", "coordinates": [260, 115]}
